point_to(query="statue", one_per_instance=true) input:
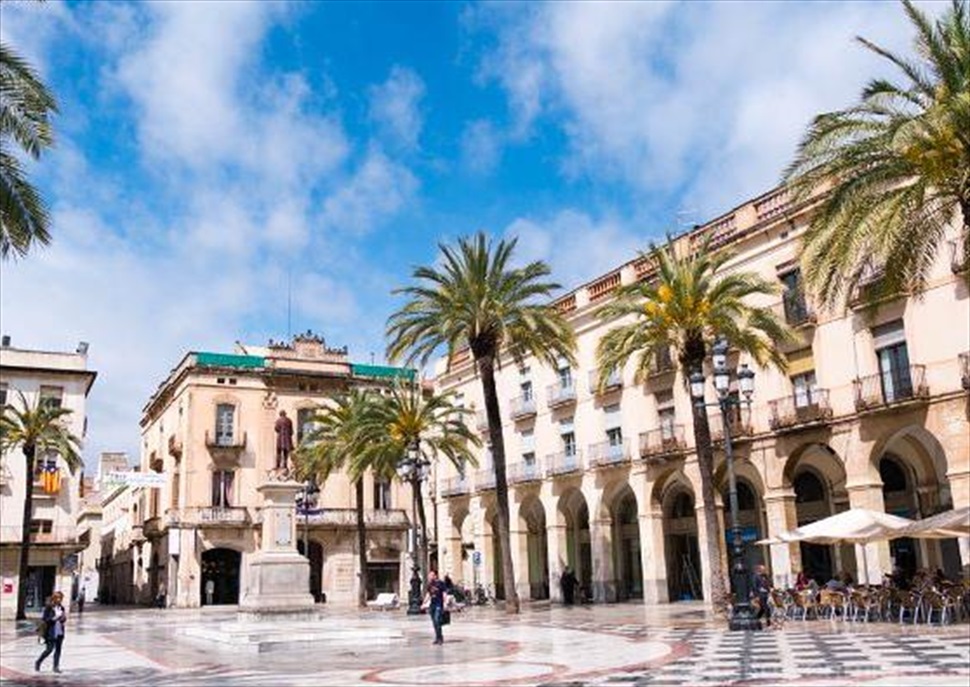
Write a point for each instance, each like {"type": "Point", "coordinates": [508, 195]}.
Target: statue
{"type": "Point", "coordinates": [284, 440]}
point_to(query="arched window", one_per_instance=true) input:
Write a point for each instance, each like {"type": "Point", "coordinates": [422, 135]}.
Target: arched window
{"type": "Point", "coordinates": [809, 488]}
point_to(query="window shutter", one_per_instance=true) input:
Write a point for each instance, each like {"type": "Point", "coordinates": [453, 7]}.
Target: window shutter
{"type": "Point", "coordinates": [888, 334]}
{"type": "Point", "coordinates": [800, 362]}
{"type": "Point", "coordinates": [611, 417]}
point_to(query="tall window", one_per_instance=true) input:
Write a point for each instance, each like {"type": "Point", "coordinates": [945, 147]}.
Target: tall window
{"type": "Point", "coordinates": [525, 384]}
{"type": "Point", "coordinates": [51, 396]}
{"type": "Point", "coordinates": [528, 448]}
{"type": "Point", "coordinates": [796, 310]}
{"type": "Point", "coordinates": [382, 494]}
{"type": "Point", "coordinates": [565, 374]}
{"type": "Point", "coordinates": [222, 488]}
{"type": "Point", "coordinates": [225, 424]}
{"type": "Point", "coordinates": [890, 343]}
{"type": "Point", "coordinates": [614, 434]}
{"type": "Point", "coordinates": [304, 424]}
{"type": "Point", "coordinates": [175, 489]}
{"type": "Point", "coordinates": [805, 389]}
{"type": "Point", "coordinates": [567, 434]}
{"type": "Point", "coordinates": [666, 414]}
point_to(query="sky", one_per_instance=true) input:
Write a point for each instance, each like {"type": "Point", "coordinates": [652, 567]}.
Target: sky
{"type": "Point", "coordinates": [212, 157]}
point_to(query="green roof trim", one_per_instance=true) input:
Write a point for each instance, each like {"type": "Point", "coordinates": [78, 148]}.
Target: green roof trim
{"type": "Point", "coordinates": [382, 371]}
{"type": "Point", "coordinates": [229, 360]}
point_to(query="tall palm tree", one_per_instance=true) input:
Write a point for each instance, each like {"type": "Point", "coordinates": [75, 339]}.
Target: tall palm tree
{"type": "Point", "coordinates": [38, 430]}
{"type": "Point", "coordinates": [689, 303]}
{"type": "Point", "coordinates": [26, 107]}
{"type": "Point", "coordinates": [477, 299]}
{"type": "Point", "coordinates": [408, 418]}
{"type": "Point", "coordinates": [331, 447]}
{"type": "Point", "coordinates": [899, 165]}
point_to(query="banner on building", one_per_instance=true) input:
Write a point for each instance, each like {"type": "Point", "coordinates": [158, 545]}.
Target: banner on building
{"type": "Point", "coordinates": [149, 480]}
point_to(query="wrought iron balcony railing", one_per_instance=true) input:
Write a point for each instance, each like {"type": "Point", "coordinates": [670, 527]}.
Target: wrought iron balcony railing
{"type": "Point", "coordinates": [662, 363]}
{"type": "Point", "coordinates": [606, 453]}
{"type": "Point", "coordinates": [800, 409]}
{"type": "Point", "coordinates": [224, 442]}
{"type": "Point", "coordinates": [215, 516]}
{"type": "Point", "coordinates": [613, 382]}
{"type": "Point", "coordinates": [347, 517]}
{"type": "Point", "coordinates": [563, 463]}
{"type": "Point", "coordinates": [522, 407]}
{"type": "Point", "coordinates": [485, 479]}
{"type": "Point", "coordinates": [560, 394]}
{"type": "Point", "coordinates": [665, 441]}
{"type": "Point", "coordinates": [455, 486]}
{"type": "Point", "coordinates": [520, 473]}
{"type": "Point", "coordinates": [796, 308]}
{"type": "Point", "coordinates": [739, 423]}
{"type": "Point", "coordinates": [893, 386]}
{"type": "Point", "coordinates": [153, 527]}
{"type": "Point", "coordinates": [58, 535]}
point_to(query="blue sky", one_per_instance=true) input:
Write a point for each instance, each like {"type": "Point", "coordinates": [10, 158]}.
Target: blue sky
{"type": "Point", "coordinates": [210, 153]}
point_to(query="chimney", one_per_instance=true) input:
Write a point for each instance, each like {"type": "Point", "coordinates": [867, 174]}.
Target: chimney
{"type": "Point", "coordinates": [5, 341]}
{"type": "Point", "coordinates": [82, 348]}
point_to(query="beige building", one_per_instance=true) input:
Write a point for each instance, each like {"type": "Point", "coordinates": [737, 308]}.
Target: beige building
{"type": "Point", "coordinates": [209, 428]}
{"type": "Point", "coordinates": [872, 413]}
{"type": "Point", "coordinates": [61, 379]}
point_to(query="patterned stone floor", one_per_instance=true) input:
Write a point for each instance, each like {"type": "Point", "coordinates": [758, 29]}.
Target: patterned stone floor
{"type": "Point", "coordinates": [626, 644]}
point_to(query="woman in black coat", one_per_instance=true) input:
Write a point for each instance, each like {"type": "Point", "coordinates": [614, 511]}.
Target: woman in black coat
{"type": "Point", "coordinates": [54, 619]}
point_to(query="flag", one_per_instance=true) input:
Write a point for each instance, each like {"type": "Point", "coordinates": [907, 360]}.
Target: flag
{"type": "Point", "coordinates": [51, 478]}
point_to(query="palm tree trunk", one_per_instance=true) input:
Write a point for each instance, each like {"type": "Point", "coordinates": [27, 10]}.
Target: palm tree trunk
{"type": "Point", "coordinates": [29, 451]}
{"type": "Point", "coordinates": [486, 368]}
{"type": "Point", "coordinates": [705, 464]}
{"type": "Point", "coordinates": [422, 519]}
{"type": "Point", "coordinates": [361, 545]}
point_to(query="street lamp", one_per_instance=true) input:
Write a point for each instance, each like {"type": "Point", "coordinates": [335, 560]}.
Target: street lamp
{"type": "Point", "coordinates": [413, 468]}
{"type": "Point", "coordinates": [742, 614]}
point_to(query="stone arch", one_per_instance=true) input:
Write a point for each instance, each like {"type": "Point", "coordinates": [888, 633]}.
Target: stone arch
{"type": "Point", "coordinates": [532, 521]}
{"type": "Point", "coordinates": [752, 516]}
{"type": "Point", "coordinates": [625, 523]}
{"type": "Point", "coordinates": [573, 510]}
{"type": "Point", "coordinates": [676, 498]}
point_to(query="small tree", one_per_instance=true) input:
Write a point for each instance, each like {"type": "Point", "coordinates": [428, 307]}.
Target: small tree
{"type": "Point", "coordinates": [37, 430]}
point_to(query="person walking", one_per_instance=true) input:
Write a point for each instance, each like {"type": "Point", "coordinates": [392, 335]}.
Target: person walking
{"type": "Point", "coordinates": [54, 618]}
{"type": "Point", "coordinates": [434, 603]}
{"type": "Point", "coordinates": [80, 600]}
{"type": "Point", "coordinates": [761, 590]}
{"type": "Point", "coordinates": [568, 584]}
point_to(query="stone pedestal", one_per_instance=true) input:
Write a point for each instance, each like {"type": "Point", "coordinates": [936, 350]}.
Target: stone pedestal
{"type": "Point", "coordinates": [279, 577]}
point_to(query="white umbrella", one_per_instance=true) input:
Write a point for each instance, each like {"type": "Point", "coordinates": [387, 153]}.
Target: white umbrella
{"type": "Point", "coordinates": [854, 526]}
{"type": "Point", "coordinates": [951, 523]}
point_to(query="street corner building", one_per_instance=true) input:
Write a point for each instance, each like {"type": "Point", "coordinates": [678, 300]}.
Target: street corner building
{"type": "Point", "coordinates": [61, 380]}
{"type": "Point", "coordinates": [210, 429]}
{"type": "Point", "coordinates": [872, 413]}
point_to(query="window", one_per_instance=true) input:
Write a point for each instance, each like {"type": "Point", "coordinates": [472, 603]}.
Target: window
{"type": "Point", "coordinates": [51, 396]}
{"type": "Point", "coordinates": [611, 417]}
{"type": "Point", "coordinates": [155, 503]}
{"type": "Point", "coordinates": [175, 489]}
{"type": "Point", "coordinates": [225, 422]}
{"type": "Point", "coordinates": [893, 356]}
{"type": "Point", "coordinates": [666, 414]}
{"type": "Point", "coordinates": [805, 389]}
{"type": "Point", "coordinates": [526, 388]}
{"type": "Point", "coordinates": [565, 374]}
{"type": "Point", "coordinates": [528, 448]}
{"type": "Point", "coordinates": [304, 423]}
{"type": "Point", "coordinates": [382, 494]}
{"type": "Point", "coordinates": [41, 526]}
{"type": "Point", "coordinates": [3, 394]}
{"type": "Point", "coordinates": [567, 435]}
{"type": "Point", "coordinates": [796, 309]}
{"type": "Point", "coordinates": [222, 488]}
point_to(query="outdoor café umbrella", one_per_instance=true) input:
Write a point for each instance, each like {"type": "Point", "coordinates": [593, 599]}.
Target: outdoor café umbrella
{"type": "Point", "coordinates": [854, 526]}
{"type": "Point", "coordinates": [951, 523]}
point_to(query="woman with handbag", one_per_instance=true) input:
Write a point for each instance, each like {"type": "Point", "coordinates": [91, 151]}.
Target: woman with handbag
{"type": "Point", "coordinates": [434, 603]}
{"type": "Point", "coordinates": [54, 619]}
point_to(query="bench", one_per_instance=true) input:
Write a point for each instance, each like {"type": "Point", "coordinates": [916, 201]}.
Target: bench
{"type": "Point", "coordinates": [384, 601]}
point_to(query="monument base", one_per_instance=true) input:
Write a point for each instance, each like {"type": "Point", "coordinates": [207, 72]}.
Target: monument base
{"type": "Point", "coordinates": [283, 635]}
{"type": "Point", "coordinates": [274, 578]}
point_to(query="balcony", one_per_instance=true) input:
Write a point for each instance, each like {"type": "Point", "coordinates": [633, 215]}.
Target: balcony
{"type": "Point", "coordinates": [660, 444]}
{"type": "Point", "coordinates": [796, 309]}
{"type": "Point", "coordinates": [613, 382]}
{"type": "Point", "coordinates": [455, 486]}
{"type": "Point", "coordinates": [210, 516]}
{"type": "Point", "coordinates": [153, 527]}
{"type": "Point", "coordinates": [563, 463]}
{"type": "Point", "coordinates": [522, 407]}
{"type": "Point", "coordinates": [485, 480]}
{"type": "Point", "coordinates": [347, 517]}
{"type": "Point", "coordinates": [964, 370]}
{"type": "Point", "coordinates": [559, 395]}
{"type": "Point", "coordinates": [739, 425]}
{"type": "Point", "coordinates": [799, 410]}
{"type": "Point", "coordinates": [661, 364]}
{"type": "Point", "coordinates": [890, 388]}
{"type": "Point", "coordinates": [225, 449]}
{"type": "Point", "coordinates": [174, 446]}
{"type": "Point", "coordinates": [608, 454]}
{"type": "Point", "coordinates": [520, 473]}
{"type": "Point", "coordinates": [869, 288]}
{"type": "Point", "coordinates": [63, 537]}
{"type": "Point", "coordinates": [958, 254]}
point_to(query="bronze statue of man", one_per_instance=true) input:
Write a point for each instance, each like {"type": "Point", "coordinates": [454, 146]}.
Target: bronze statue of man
{"type": "Point", "coordinates": [284, 440]}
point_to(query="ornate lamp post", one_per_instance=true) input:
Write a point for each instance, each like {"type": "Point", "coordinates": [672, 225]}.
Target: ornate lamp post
{"type": "Point", "coordinates": [413, 469]}
{"type": "Point", "coordinates": [742, 614]}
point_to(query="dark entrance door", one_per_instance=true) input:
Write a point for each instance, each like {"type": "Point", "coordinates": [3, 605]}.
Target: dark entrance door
{"type": "Point", "coordinates": [316, 568]}
{"type": "Point", "coordinates": [40, 585]}
{"type": "Point", "coordinates": [220, 567]}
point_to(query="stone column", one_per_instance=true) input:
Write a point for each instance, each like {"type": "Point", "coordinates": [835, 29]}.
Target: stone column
{"type": "Point", "coordinates": [279, 577]}
{"type": "Point", "coordinates": [653, 560]}
{"type": "Point", "coordinates": [604, 576]}
{"type": "Point", "coordinates": [786, 559]}
{"type": "Point", "coordinates": [558, 557]}
{"type": "Point", "coordinates": [519, 543]}
{"type": "Point", "coordinates": [876, 555]}
{"type": "Point", "coordinates": [959, 479]}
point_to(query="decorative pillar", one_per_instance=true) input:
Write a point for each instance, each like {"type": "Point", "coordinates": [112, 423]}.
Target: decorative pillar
{"type": "Point", "coordinates": [653, 560]}
{"type": "Point", "coordinates": [604, 577]}
{"type": "Point", "coordinates": [959, 479]}
{"type": "Point", "coordinates": [558, 557]}
{"type": "Point", "coordinates": [279, 577]}
{"type": "Point", "coordinates": [786, 559]}
{"type": "Point", "coordinates": [876, 555]}
{"type": "Point", "coordinates": [519, 544]}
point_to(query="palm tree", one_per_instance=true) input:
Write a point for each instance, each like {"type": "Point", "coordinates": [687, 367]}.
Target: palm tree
{"type": "Point", "coordinates": [688, 304]}
{"type": "Point", "coordinates": [26, 107]}
{"type": "Point", "coordinates": [476, 299]}
{"type": "Point", "coordinates": [898, 165]}
{"type": "Point", "coordinates": [330, 447]}
{"type": "Point", "coordinates": [38, 430]}
{"type": "Point", "coordinates": [408, 418]}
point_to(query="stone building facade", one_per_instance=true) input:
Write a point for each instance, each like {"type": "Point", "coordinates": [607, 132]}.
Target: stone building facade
{"type": "Point", "coordinates": [873, 412]}
{"type": "Point", "coordinates": [64, 380]}
{"type": "Point", "coordinates": [209, 428]}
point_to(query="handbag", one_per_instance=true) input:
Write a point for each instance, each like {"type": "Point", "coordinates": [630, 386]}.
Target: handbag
{"type": "Point", "coordinates": [446, 617]}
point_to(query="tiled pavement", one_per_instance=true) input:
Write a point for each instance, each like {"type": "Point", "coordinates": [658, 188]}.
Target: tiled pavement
{"type": "Point", "coordinates": [601, 645]}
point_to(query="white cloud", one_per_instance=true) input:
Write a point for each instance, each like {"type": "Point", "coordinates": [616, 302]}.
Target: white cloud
{"type": "Point", "coordinates": [395, 106]}
{"type": "Point", "coordinates": [378, 189]}
{"type": "Point", "coordinates": [481, 147]}
{"type": "Point", "coordinates": [705, 97]}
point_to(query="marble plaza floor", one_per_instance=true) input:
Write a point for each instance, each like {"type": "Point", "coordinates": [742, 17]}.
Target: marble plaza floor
{"type": "Point", "coordinates": [623, 644]}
